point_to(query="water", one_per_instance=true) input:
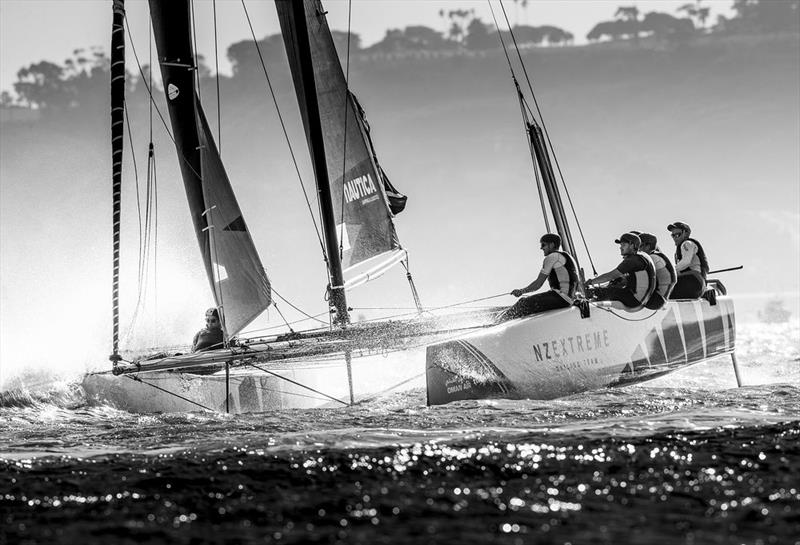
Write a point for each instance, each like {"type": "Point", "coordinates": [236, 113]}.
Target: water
{"type": "Point", "coordinates": [688, 458]}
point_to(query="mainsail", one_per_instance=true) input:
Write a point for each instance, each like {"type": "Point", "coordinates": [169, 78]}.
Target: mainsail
{"type": "Point", "coordinates": [358, 186]}
{"type": "Point", "coordinates": [237, 277]}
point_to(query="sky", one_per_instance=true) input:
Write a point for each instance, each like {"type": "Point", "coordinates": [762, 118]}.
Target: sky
{"type": "Point", "coordinates": [35, 30]}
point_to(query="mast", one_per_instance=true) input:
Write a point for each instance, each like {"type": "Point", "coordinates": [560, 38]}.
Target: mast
{"type": "Point", "coordinates": [551, 188]}
{"type": "Point", "coordinates": [117, 139]}
{"type": "Point", "coordinates": [233, 267]}
{"type": "Point", "coordinates": [297, 20]}
{"type": "Point", "coordinates": [542, 158]}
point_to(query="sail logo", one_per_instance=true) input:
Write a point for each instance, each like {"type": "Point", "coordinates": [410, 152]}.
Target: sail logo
{"type": "Point", "coordinates": [359, 188]}
{"type": "Point", "coordinates": [568, 346]}
{"type": "Point", "coordinates": [172, 92]}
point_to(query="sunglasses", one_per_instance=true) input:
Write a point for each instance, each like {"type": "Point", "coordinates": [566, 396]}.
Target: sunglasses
{"type": "Point", "coordinates": [676, 235]}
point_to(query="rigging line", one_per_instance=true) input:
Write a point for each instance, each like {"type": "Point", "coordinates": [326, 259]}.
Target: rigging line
{"type": "Point", "coordinates": [429, 310]}
{"type": "Point", "coordinates": [216, 65]}
{"type": "Point", "coordinates": [539, 189]}
{"type": "Point", "coordinates": [142, 243]}
{"type": "Point", "coordinates": [536, 173]}
{"type": "Point", "coordinates": [286, 134]}
{"type": "Point", "coordinates": [523, 105]}
{"type": "Point", "coordinates": [212, 246]}
{"type": "Point", "coordinates": [136, 180]}
{"type": "Point", "coordinates": [298, 394]}
{"type": "Point", "coordinates": [502, 41]}
{"type": "Point", "coordinates": [155, 241]}
{"type": "Point", "coordinates": [285, 321]}
{"type": "Point", "coordinates": [137, 379]}
{"type": "Point", "coordinates": [279, 326]}
{"type": "Point", "coordinates": [297, 309]}
{"type": "Point", "coordinates": [148, 87]}
{"type": "Point", "coordinates": [150, 74]}
{"type": "Point", "coordinates": [181, 157]}
{"type": "Point", "coordinates": [346, 109]}
{"type": "Point", "coordinates": [287, 379]}
{"type": "Point", "coordinates": [569, 199]}
{"type": "Point", "coordinates": [194, 45]}
{"type": "Point", "coordinates": [595, 305]}
{"type": "Point", "coordinates": [547, 136]}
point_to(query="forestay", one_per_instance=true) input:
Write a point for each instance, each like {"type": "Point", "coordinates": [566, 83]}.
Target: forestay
{"type": "Point", "coordinates": [358, 186]}
{"type": "Point", "coordinates": [233, 267]}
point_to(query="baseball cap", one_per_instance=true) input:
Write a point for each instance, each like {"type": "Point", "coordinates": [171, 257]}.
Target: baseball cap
{"type": "Point", "coordinates": [551, 238]}
{"type": "Point", "coordinates": [679, 225]}
{"type": "Point", "coordinates": [630, 238]}
{"type": "Point", "coordinates": [647, 238]}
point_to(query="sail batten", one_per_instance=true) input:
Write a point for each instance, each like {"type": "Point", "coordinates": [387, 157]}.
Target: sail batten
{"type": "Point", "coordinates": [237, 278]}
{"type": "Point", "coordinates": [363, 219]}
{"type": "Point", "coordinates": [383, 262]}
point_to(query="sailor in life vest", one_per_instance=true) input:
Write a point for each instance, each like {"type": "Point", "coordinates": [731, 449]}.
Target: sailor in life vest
{"type": "Point", "coordinates": [211, 336]}
{"type": "Point", "coordinates": [665, 271]}
{"type": "Point", "coordinates": [690, 263]}
{"type": "Point", "coordinates": [633, 281]}
{"type": "Point", "coordinates": [559, 271]}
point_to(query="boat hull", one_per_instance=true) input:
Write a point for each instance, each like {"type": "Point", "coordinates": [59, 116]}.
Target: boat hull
{"type": "Point", "coordinates": [296, 386]}
{"type": "Point", "coordinates": [560, 353]}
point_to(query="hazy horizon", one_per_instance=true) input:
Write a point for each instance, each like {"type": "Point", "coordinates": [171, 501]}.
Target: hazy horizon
{"type": "Point", "coordinates": [57, 27]}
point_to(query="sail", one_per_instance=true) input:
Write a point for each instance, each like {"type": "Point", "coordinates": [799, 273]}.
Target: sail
{"type": "Point", "coordinates": [363, 218]}
{"type": "Point", "coordinates": [237, 277]}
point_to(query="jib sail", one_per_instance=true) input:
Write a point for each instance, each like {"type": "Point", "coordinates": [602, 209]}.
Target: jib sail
{"type": "Point", "coordinates": [237, 277]}
{"type": "Point", "coordinates": [358, 185]}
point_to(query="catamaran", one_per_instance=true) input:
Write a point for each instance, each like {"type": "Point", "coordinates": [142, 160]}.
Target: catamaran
{"type": "Point", "coordinates": [339, 364]}
{"type": "Point", "coordinates": [461, 355]}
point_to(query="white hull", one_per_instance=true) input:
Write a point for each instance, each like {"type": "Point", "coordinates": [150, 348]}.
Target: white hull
{"type": "Point", "coordinates": [253, 390]}
{"type": "Point", "coordinates": [559, 353]}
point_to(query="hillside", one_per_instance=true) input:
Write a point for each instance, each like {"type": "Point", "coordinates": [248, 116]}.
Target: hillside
{"type": "Point", "coordinates": [707, 133]}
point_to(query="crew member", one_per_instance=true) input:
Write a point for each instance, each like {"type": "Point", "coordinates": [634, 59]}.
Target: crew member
{"type": "Point", "coordinates": [665, 271]}
{"type": "Point", "coordinates": [559, 270]}
{"type": "Point", "coordinates": [211, 336]}
{"type": "Point", "coordinates": [636, 271]}
{"type": "Point", "coordinates": [690, 263]}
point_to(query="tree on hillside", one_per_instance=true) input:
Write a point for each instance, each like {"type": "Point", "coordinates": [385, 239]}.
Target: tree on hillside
{"type": "Point", "coordinates": [696, 12]}
{"type": "Point", "coordinates": [478, 37]}
{"type": "Point", "coordinates": [83, 79]}
{"type": "Point", "coordinates": [613, 30]}
{"type": "Point", "coordinates": [630, 16]}
{"type": "Point", "coordinates": [527, 35]}
{"type": "Point", "coordinates": [244, 56]}
{"type": "Point", "coordinates": [6, 100]}
{"type": "Point", "coordinates": [458, 23]}
{"type": "Point", "coordinates": [412, 38]}
{"type": "Point", "coordinates": [666, 26]}
{"type": "Point", "coordinates": [426, 38]}
{"type": "Point", "coordinates": [765, 16]}
{"type": "Point", "coordinates": [340, 40]}
{"type": "Point", "coordinates": [555, 35]}
{"type": "Point", "coordinates": [41, 85]}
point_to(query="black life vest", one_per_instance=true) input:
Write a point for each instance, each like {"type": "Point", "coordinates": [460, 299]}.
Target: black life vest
{"type": "Point", "coordinates": [701, 255]}
{"type": "Point", "coordinates": [572, 271]}
{"type": "Point", "coordinates": [633, 282]}
{"type": "Point", "coordinates": [673, 274]}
